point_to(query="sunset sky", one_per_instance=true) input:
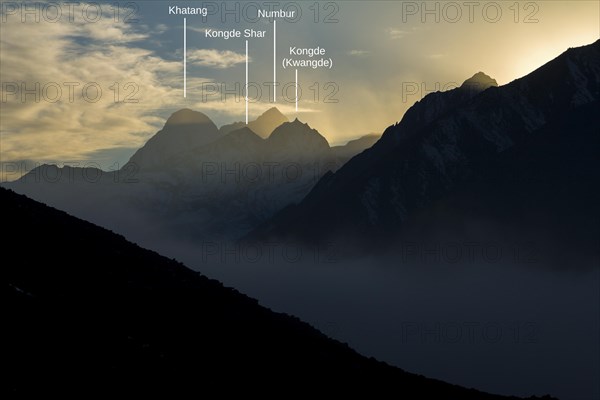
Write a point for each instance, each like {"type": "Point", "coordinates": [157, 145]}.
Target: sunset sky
{"type": "Point", "coordinates": [381, 52]}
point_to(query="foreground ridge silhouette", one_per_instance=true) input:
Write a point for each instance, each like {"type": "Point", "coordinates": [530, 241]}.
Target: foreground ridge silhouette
{"type": "Point", "coordinates": [89, 312]}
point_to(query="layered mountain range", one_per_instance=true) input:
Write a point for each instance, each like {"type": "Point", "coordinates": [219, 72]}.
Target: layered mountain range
{"type": "Point", "coordinates": [192, 180]}
{"type": "Point", "coordinates": [517, 159]}
{"type": "Point", "coordinates": [262, 126]}
{"type": "Point", "coordinates": [509, 159]}
{"type": "Point", "coordinates": [89, 310]}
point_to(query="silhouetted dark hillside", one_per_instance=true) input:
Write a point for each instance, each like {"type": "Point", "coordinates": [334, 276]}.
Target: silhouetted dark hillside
{"type": "Point", "coordinates": [89, 313]}
{"type": "Point", "coordinates": [520, 157]}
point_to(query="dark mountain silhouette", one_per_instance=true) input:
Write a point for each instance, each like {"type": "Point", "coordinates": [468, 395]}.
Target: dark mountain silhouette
{"type": "Point", "coordinates": [520, 156]}
{"type": "Point", "coordinates": [193, 181]}
{"type": "Point", "coordinates": [183, 130]}
{"type": "Point", "coordinates": [262, 126]}
{"type": "Point", "coordinates": [431, 107]}
{"type": "Point", "coordinates": [295, 139]}
{"type": "Point", "coordinates": [88, 311]}
{"type": "Point", "coordinates": [356, 146]}
{"type": "Point", "coordinates": [291, 141]}
{"type": "Point", "coordinates": [226, 188]}
{"type": "Point", "coordinates": [479, 82]}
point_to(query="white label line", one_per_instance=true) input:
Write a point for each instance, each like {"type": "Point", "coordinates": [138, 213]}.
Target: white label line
{"type": "Point", "coordinates": [274, 61]}
{"type": "Point", "coordinates": [296, 90]}
{"type": "Point", "coordinates": [185, 57]}
{"type": "Point", "coordinates": [246, 87]}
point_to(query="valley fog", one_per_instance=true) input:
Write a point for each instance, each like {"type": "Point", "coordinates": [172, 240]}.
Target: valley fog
{"type": "Point", "coordinates": [461, 243]}
{"type": "Point", "coordinates": [503, 325]}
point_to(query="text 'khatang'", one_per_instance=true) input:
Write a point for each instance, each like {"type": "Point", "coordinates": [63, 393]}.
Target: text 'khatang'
{"type": "Point", "coordinates": [175, 10]}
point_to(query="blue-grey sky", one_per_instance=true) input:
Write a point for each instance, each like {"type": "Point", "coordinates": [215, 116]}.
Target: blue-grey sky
{"type": "Point", "coordinates": [386, 55]}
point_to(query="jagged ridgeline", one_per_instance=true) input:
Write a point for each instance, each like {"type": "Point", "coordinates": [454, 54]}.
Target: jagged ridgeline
{"type": "Point", "coordinates": [519, 161]}
{"type": "Point", "coordinates": [196, 181]}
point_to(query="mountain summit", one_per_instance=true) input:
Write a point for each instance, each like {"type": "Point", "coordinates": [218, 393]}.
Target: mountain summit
{"type": "Point", "coordinates": [263, 126]}
{"type": "Point", "coordinates": [185, 116]}
{"type": "Point", "coordinates": [183, 130]}
{"type": "Point", "coordinates": [297, 140]}
{"type": "Point", "coordinates": [526, 150]}
{"type": "Point", "coordinates": [479, 82]}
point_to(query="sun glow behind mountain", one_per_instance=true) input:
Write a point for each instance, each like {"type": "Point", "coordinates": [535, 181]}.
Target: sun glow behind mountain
{"type": "Point", "coordinates": [428, 186]}
{"type": "Point", "coordinates": [386, 56]}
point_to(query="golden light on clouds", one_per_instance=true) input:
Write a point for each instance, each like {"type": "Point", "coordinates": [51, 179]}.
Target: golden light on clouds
{"type": "Point", "coordinates": [59, 86]}
{"type": "Point", "coordinates": [377, 51]}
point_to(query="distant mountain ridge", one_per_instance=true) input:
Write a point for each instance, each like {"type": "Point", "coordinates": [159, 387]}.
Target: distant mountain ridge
{"type": "Point", "coordinates": [454, 142]}
{"type": "Point", "coordinates": [184, 129]}
{"type": "Point", "coordinates": [479, 82]}
{"type": "Point", "coordinates": [263, 126]}
{"type": "Point", "coordinates": [192, 180]}
{"type": "Point", "coordinates": [356, 146]}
